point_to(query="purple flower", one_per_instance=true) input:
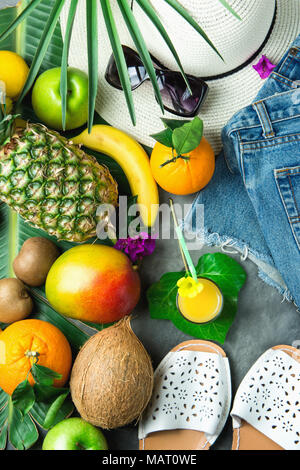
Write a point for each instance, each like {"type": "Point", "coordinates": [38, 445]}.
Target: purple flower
{"type": "Point", "coordinates": [264, 67]}
{"type": "Point", "coordinates": [136, 247]}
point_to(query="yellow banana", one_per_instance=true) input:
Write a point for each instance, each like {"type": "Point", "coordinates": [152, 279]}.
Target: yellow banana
{"type": "Point", "coordinates": [134, 161]}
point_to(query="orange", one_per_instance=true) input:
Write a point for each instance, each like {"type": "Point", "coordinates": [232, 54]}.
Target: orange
{"type": "Point", "coordinates": [183, 176]}
{"type": "Point", "coordinates": [18, 344]}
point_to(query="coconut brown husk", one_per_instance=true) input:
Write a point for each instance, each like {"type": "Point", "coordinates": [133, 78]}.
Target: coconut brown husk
{"type": "Point", "coordinates": [112, 377]}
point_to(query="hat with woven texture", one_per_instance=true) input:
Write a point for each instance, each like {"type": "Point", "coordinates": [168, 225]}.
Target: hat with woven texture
{"type": "Point", "coordinates": [267, 27]}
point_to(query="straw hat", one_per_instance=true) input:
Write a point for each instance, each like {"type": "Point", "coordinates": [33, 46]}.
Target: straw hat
{"type": "Point", "coordinates": [268, 27]}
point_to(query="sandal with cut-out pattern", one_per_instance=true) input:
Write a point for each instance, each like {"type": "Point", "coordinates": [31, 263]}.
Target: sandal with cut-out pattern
{"type": "Point", "coordinates": [266, 409]}
{"type": "Point", "coordinates": [190, 401]}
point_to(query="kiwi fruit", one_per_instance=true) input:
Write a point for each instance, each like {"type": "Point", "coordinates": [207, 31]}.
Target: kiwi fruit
{"type": "Point", "coordinates": [35, 260]}
{"type": "Point", "coordinates": [15, 301]}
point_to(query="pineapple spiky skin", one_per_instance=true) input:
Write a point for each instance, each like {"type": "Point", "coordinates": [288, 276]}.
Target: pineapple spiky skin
{"type": "Point", "coordinates": [53, 184]}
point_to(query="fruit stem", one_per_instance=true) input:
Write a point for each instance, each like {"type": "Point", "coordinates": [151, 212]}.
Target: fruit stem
{"type": "Point", "coordinates": [33, 354]}
{"type": "Point", "coordinates": [184, 157]}
{"type": "Point", "coordinates": [80, 447]}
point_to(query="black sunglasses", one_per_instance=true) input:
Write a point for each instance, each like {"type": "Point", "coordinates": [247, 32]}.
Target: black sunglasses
{"type": "Point", "coordinates": [175, 94]}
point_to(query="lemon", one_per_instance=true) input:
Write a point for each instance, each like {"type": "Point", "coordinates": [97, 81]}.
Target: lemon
{"type": "Point", "coordinates": [13, 72]}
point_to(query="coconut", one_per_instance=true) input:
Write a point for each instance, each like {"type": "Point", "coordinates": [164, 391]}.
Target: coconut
{"type": "Point", "coordinates": [112, 377]}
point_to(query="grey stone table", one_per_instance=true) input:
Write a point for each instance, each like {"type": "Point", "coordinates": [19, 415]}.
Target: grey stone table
{"type": "Point", "coordinates": [262, 321]}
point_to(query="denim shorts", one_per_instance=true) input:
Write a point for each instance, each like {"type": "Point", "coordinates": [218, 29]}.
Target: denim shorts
{"type": "Point", "coordinates": [262, 160]}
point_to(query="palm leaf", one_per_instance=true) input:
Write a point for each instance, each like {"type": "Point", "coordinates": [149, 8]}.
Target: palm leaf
{"type": "Point", "coordinates": [43, 46]}
{"type": "Point", "coordinates": [92, 46]}
{"type": "Point", "coordinates": [140, 44]}
{"type": "Point", "coordinates": [230, 9]}
{"type": "Point", "coordinates": [28, 36]}
{"type": "Point", "coordinates": [118, 55]}
{"type": "Point", "coordinates": [183, 12]}
{"type": "Point", "coordinates": [150, 12]}
{"type": "Point", "coordinates": [42, 33]}
{"type": "Point", "coordinates": [21, 17]}
{"type": "Point", "coordinates": [64, 61]}
{"type": "Point", "coordinates": [7, 16]}
{"type": "Point", "coordinates": [13, 229]}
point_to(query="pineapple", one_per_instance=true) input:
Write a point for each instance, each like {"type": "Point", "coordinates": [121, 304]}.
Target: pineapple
{"type": "Point", "coordinates": [53, 184]}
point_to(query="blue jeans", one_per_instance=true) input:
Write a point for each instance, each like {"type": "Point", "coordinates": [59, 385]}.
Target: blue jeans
{"type": "Point", "coordinates": [254, 197]}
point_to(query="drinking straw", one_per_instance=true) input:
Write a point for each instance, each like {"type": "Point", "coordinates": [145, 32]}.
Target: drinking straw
{"type": "Point", "coordinates": [188, 263]}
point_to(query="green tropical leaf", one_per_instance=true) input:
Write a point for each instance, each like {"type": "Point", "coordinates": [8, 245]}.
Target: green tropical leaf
{"type": "Point", "coordinates": [151, 13]}
{"type": "Point", "coordinates": [7, 16]}
{"type": "Point", "coordinates": [42, 47]}
{"type": "Point", "coordinates": [164, 137]}
{"type": "Point", "coordinates": [64, 61]}
{"type": "Point", "coordinates": [20, 430]}
{"type": "Point", "coordinates": [230, 9]}
{"type": "Point", "coordinates": [19, 427]}
{"type": "Point", "coordinates": [44, 375]}
{"type": "Point", "coordinates": [184, 13]}
{"type": "Point", "coordinates": [92, 48]}
{"type": "Point", "coordinates": [21, 17]}
{"type": "Point", "coordinates": [39, 20]}
{"type": "Point", "coordinates": [140, 44]}
{"type": "Point", "coordinates": [188, 136]}
{"type": "Point", "coordinates": [23, 397]}
{"type": "Point", "coordinates": [119, 56]}
{"type": "Point", "coordinates": [40, 410]}
{"type": "Point", "coordinates": [3, 430]}
{"type": "Point", "coordinates": [54, 409]}
{"type": "Point", "coordinates": [218, 267]}
{"type": "Point", "coordinates": [29, 34]}
{"type": "Point", "coordinates": [40, 403]}
{"type": "Point", "coordinates": [174, 123]}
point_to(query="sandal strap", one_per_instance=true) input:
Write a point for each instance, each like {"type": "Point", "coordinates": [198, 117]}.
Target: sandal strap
{"type": "Point", "coordinates": [269, 399]}
{"type": "Point", "coordinates": [191, 391]}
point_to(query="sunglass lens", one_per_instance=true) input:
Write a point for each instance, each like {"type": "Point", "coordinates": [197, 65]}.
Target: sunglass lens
{"type": "Point", "coordinates": [176, 95]}
{"type": "Point", "coordinates": [136, 70]}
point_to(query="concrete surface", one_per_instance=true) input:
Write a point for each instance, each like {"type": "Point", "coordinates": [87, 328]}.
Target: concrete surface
{"type": "Point", "coordinates": [262, 321]}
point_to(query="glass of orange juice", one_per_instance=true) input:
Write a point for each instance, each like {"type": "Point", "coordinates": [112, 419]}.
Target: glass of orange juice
{"type": "Point", "coordinates": [205, 307]}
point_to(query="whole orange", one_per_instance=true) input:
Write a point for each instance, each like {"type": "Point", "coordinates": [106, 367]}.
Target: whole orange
{"type": "Point", "coordinates": [185, 175]}
{"type": "Point", "coordinates": [19, 344]}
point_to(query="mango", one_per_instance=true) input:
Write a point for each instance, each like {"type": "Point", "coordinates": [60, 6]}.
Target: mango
{"type": "Point", "coordinates": [93, 283]}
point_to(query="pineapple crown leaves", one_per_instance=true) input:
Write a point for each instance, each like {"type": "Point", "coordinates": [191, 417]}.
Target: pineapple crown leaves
{"type": "Point", "coordinates": [92, 40]}
{"type": "Point", "coordinates": [183, 136]}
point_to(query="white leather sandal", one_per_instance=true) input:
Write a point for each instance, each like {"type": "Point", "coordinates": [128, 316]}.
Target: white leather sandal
{"type": "Point", "coordinates": [190, 401]}
{"type": "Point", "coordinates": [266, 409]}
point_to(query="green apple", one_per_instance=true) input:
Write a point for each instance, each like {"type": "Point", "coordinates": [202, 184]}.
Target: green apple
{"type": "Point", "coordinates": [46, 99]}
{"type": "Point", "coordinates": [74, 434]}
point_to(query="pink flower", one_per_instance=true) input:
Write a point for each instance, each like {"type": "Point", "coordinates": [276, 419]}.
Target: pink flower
{"type": "Point", "coordinates": [264, 67]}
{"type": "Point", "coordinates": [136, 247]}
